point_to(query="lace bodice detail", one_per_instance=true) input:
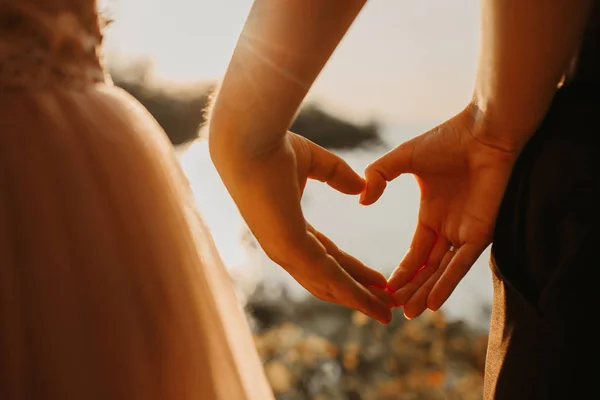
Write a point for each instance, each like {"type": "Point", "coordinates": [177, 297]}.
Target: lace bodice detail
{"type": "Point", "coordinates": [46, 42]}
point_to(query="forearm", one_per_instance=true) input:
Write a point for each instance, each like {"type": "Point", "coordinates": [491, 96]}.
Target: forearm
{"type": "Point", "coordinates": [526, 46]}
{"type": "Point", "coordinates": [281, 50]}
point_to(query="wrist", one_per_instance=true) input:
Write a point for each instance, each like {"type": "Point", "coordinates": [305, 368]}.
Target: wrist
{"type": "Point", "coordinates": [237, 136]}
{"type": "Point", "coordinates": [499, 128]}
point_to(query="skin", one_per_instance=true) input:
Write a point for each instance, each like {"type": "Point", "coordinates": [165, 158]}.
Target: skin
{"type": "Point", "coordinates": [463, 165]}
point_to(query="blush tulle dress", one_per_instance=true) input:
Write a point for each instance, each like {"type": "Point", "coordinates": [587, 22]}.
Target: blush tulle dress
{"type": "Point", "coordinates": [110, 284]}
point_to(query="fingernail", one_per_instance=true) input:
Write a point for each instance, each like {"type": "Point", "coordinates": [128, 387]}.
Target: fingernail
{"type": "Point", "coordinates": [432, 305]}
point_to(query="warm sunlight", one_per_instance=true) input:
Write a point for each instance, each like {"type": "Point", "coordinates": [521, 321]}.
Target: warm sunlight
{"type": "Point", "coordinates": [297, 199]}
{"type": "Point", "coordinates": [187, 40]}
{"type": "Point", "coordinates": [391, 64]}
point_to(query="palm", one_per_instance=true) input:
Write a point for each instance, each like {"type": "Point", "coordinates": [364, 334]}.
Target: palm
{"type": "Point", "coordinates": [458, 204]}
{"type": "Point", "coordinates": [462, 182]}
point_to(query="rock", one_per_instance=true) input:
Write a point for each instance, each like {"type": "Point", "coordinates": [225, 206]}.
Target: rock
{"type": "Point", "coordinates": [389, 388]}
{"type": "Point", "coordinates": [351, 356]}
{"type": "Point", "coordinates": [360, 319]}
{"type": "Point", "coordinates": [279, 376]}
{"type": "Point", "coordinates": [180, 108]}
{"type": "Point", "coordinates": [314, 348]}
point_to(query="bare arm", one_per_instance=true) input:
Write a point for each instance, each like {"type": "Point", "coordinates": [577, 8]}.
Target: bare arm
{"type": "Point", "coordinates": [526, 46]}
{"type": "Point", "coordinates": [464, 164]}
{"type": "Point", "coordinates": [283, 47]}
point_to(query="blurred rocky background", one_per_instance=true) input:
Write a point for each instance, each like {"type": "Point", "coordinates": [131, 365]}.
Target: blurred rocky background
{"type": "Point", "coordinates": [178, 107]}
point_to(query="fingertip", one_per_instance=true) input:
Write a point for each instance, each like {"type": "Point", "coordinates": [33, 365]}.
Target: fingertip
{"type": "Point", "coordinates": [412, 314]}
{"type": "Point", "coordinates": [403, 295]}
{"type": "Point", "coordinates": [361, 199]}
{"type": "Point", "coordinates": [375, 186]}
{"type": "Point", "coordinates": [333, 170]}
{"type": "Point", "coordinates": [398, 300]}
{"type": "Point", "coordinates": [366, 199]}
{"type": "Point", "coordinates": [358, 184]}
{"type": "Point", "coordinates": [374, 192]}
{"type": "Point", "coordinates": [385, 314]}
{"type": "Point", "coordinates": [415, 306]}
{"type": "Point", "coordinates": [369, 303]}
{"type": "Point", "coordinates": [380, 313]}
{"type": "Point", "coordinates": [387, 318]}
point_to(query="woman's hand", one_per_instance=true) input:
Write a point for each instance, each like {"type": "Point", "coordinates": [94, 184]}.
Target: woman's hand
{"type": "Point", "coordinates": [462, 178]}
{"type": "Point", "coordinates": [267, 186]}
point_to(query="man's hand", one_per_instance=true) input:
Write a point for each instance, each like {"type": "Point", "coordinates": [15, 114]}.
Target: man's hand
{"type": "Point", "coordinates": [462, 181]}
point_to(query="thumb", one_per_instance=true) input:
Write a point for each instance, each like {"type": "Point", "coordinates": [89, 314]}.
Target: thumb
{"type": "Point", "coordinates": [333, 170]}
{"type": "Point", "coordinates": [385, 169]}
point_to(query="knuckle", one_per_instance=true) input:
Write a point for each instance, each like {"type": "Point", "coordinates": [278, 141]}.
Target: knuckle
{"type": "Point", "coordinates": [325, 295]}
{"type": "Point", "coordinates": [371, 169]}
{"type": "Point", "coordinates": [376, 170]}
{"type": "Point", "coordinates": [332, 170]}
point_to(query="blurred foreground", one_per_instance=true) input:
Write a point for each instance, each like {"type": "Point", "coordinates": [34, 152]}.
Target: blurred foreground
{"type": "Point", "coordinates": [319, 351]}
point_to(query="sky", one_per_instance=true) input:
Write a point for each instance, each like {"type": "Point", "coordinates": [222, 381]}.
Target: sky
{"type": "Point", "coordinates": [406, 62]}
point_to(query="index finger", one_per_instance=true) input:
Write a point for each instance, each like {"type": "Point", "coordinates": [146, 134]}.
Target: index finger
{"type": "Point", "coordinates": [385, 169]}
{"type": "Point", "coordinates": [359, 271]}
{"type": "Point", "coordinates": [356, 296]}
{"type": "Point", "coordinates": [333, 170]}
{"type": "Point", "coordinates": [339, 287]}
{"type": "Point", "coordinates": [333, 282]}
